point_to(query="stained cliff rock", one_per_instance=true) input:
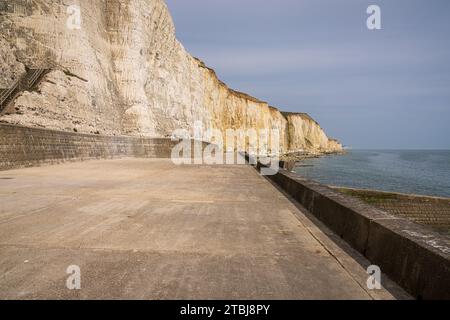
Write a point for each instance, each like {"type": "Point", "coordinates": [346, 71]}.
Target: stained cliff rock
{"type": "Point", "coordinates": [10, 68]}
{"type": "Point", "coordinates": [124, 72]}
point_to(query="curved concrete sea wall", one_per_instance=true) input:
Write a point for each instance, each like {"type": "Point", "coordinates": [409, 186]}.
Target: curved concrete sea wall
{"type": "Point", "coordinates": [27, 147]}
{"type": "Point", "coordinates": [123, 72]}
{"type": "Point", "coordinates": [415, 257]}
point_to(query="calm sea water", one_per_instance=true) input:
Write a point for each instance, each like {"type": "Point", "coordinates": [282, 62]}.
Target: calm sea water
{"type": "Point", "coordinates": [418, 172]}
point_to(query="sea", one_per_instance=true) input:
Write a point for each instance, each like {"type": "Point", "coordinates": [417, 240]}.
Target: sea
{"type": "Point", "coordinates": [422, 172]}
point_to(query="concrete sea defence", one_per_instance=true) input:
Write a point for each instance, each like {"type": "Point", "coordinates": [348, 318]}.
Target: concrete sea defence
{"type": "Point", "coordinates": [29, 147]}
{"type": "Point", "coordinates": [428, 211]}
{"type": "Point", "coordinates": [124, 76]}
{"type": "Point", "coordinates": [415, 257]}
{"type": "Point", "coordinates": [148, 229]}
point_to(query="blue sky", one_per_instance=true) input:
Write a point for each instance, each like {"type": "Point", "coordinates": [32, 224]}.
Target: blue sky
{"type": "Point", "coordinates": [381, 89]}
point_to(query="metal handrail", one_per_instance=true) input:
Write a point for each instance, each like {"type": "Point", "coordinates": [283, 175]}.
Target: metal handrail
{"type": "Point", "coordinates": [27, 81]}
{"type": "Point", "coordinates": [35, 75]}
{"type": "Point", "coordinates": [29, 78]}
{"type": "Point", "coordinates": [7, 93]}
{"type": "Point", "coordinates": [3, 95]}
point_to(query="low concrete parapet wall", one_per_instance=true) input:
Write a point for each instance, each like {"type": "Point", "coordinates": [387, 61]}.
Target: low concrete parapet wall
{"type": "Point", "coordinates": [25, 147]}
{"type": "Point", "coordinates": [417, 258]}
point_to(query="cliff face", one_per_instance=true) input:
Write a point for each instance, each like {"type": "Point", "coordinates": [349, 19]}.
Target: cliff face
{"type": "Point", "coordinates": [124, 72]}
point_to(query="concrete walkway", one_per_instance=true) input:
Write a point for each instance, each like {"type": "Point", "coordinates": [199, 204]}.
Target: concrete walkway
{"type": "Point", "coordinates": [147, 229]}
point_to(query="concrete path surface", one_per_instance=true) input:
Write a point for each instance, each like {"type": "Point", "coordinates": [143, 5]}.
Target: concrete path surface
{"type": "Point", "coordinates": [147, 229]}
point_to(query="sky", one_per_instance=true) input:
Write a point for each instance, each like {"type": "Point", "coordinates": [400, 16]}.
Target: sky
{"type": "Point", "coordinates": [371, 89]}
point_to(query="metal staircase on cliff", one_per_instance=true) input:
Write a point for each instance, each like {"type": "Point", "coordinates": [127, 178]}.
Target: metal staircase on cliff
{"type": "Point", "coordinates": [27, 82]}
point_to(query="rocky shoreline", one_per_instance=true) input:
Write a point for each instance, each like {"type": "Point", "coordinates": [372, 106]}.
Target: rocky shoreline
{"type": "Point", "coordinates": [297, 157]}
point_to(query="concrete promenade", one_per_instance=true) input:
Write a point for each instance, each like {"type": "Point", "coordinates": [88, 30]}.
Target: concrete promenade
{"type": "Point", "coordinates": [147, 229]}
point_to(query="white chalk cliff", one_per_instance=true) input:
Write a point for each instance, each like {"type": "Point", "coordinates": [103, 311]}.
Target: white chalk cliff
{"type": "Point", "coordinates": [125, 73]}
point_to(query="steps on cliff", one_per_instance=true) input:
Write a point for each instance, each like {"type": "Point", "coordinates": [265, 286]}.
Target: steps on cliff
{"type": "Point", "coordinates": [27, 82]}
